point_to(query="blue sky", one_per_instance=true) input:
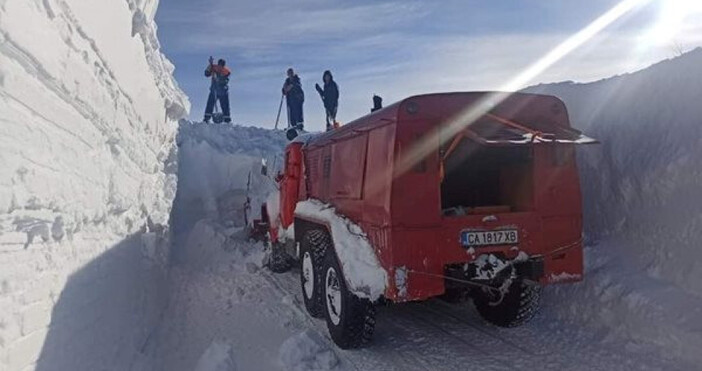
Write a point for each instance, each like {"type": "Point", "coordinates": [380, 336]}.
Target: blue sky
{"type": "Point", "coordinates": [404, 47]}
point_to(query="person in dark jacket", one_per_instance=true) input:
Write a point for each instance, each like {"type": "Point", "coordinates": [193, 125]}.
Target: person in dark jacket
{"type": "Point", "coordinates": [295, 97]}
{"type": "Point", "coordinates": [219, 89]}
{"type": "Point", "coordinates": [330, 97]}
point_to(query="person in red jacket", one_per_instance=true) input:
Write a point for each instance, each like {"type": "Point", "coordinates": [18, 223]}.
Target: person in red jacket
{"type": "Point", "coordinates": [219, 89]}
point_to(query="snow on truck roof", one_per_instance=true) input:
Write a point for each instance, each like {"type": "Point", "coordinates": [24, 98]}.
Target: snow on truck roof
{"type": "Point", "coordinates": [510, 119]}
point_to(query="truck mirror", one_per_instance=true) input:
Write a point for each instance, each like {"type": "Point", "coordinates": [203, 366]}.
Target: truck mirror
{"type": "Point", "coordinates": [264, 167]}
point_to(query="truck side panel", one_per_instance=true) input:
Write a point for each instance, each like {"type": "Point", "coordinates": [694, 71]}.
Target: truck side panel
{"type": "Point", "coordinates": [560, 207]}
{"type": "Point", "coordinates": [378, 176]}
{"type": "Point", "coordinates": [415, 195]}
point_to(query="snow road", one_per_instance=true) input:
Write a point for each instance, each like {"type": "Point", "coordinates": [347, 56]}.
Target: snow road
{"type": "Point", "coordinates": [225, 296]}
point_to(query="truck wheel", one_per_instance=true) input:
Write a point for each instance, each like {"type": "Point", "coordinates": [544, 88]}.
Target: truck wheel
{"type": "Point", "coordinates": [453, 295]}
{"type": "Point", "coordinates": [517, 307]}
{"type": "Point", "coordinates": [279, 261]}
{"type": "Point", "coordinates": [350, 319]}
{"type": "Point", "coordinates": [312, 248]}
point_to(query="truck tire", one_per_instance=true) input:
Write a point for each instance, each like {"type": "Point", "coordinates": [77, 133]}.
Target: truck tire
{"type": "Point", "coordinates": [279, 261]}
{"type": "Point", "coordinates": [453, 295]}
{"type": "Point", "coordinates": [518, 306]}
{"type": "Point", "coordinates": [312, 250]}
{"type": "Point", "coordinates": [350, 319]}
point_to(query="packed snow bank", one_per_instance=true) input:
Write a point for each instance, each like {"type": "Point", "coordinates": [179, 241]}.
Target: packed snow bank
{"type": "Point", "coordinates": [103, 315]}
{"type": "Point", "coordinates": [219, 356]}
{"type": "Point", "coordinates": [642, 202]}
{"type": "Point", "coordinates": [217, 160]}
{"type": "Point", "coordinates": [219, 166]}
{"type": "Point", "coordinates": [223, 309]}
{"type": "Point", "coordinates": [307, 351]}
{"type": "Point", "coordinates": [362, 270]}
{"type": "Point", "coordinates": [87, 111]}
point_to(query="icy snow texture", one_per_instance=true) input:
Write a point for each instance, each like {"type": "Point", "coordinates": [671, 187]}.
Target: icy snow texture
{"type": "Point", "coordinates": [218, 357]}
{"type": "Point", "coordinates": [363, 273]}
{"type": "Point", "coordinates": [307, 351]}
{"type": "Point", "coordinates": [87, 112]}
{"type": "Point", "coordinates": [222, 292]}
{"type": "Point", "coordinates": [643, 206]}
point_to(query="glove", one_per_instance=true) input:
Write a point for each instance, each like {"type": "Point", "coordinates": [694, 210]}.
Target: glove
{"type": "Point", "coordinates": [319, 89]}
{"type": "Point", "coordinates": [211, 60]}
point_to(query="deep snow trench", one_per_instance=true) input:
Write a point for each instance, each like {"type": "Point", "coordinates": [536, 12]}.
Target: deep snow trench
{"type": "Point", "coordinates": [122, 247]}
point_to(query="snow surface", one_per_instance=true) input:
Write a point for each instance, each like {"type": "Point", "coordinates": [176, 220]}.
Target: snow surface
{"type": "Point", "coordinates": [217, 357]}
{"type": "Point", "coordinates": [307, 351]}
{"type": "Point", "coordinates": [362, 270]}
{"type": "Point", "coordinates": [88, 107]}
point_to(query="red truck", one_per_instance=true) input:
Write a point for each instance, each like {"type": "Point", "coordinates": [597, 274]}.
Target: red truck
{"type": "Point", "coordinates": [455, 195]}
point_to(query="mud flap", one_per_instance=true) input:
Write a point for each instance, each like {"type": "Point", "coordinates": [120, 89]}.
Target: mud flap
{"type": "Point", "coordinates": [532, 269]}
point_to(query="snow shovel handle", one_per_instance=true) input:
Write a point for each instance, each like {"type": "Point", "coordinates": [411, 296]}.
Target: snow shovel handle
{"type": "Point", "coordinates": [280, 108]}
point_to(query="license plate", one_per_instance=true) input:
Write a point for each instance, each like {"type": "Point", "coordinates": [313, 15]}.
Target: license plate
{"type": "Point", "coordinates": [488, 238]}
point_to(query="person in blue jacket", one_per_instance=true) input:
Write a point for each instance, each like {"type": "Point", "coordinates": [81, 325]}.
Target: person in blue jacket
{"type": "Point", "coordinates": [295, 97]}
{"type": "Point", "coordinates": [219, 89]}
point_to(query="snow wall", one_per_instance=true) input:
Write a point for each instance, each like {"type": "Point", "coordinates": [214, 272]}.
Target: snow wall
{"type": "Point", "coordinates": [643, 206]}
{"type": "Point", "coordinates": [219, 167]}
{"type": "Point", "coordinates": [88, 108]}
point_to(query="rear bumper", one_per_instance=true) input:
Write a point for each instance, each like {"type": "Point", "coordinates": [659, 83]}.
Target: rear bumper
{"type": "Point", "coordinates": [420, 283]}
{"type": "Point", "coordinates": [531, 269]}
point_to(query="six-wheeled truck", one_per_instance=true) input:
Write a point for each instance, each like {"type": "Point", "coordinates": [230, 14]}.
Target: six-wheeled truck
{"type": "Point", "coordinates": [454, 195]}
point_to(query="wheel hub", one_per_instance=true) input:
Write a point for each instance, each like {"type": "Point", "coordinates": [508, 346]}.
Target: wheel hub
{"type": "Point", "coordinates": [308, 275]}
{"type": "Point", "coordinates": [333, 296]}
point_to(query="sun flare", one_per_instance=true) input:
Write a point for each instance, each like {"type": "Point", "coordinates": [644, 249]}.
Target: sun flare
{"type": "Point", "coordinates": [480, 108]}
{"type": "Point", "coordinates": [671, 21]}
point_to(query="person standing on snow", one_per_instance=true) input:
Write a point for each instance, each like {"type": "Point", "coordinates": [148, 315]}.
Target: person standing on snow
{"type": "Point", "coordinates": [219, 89]}
{"type": "Point", "coordinates": [295, 97]}
{"type": "Point", "coordinates": [330, 97]}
